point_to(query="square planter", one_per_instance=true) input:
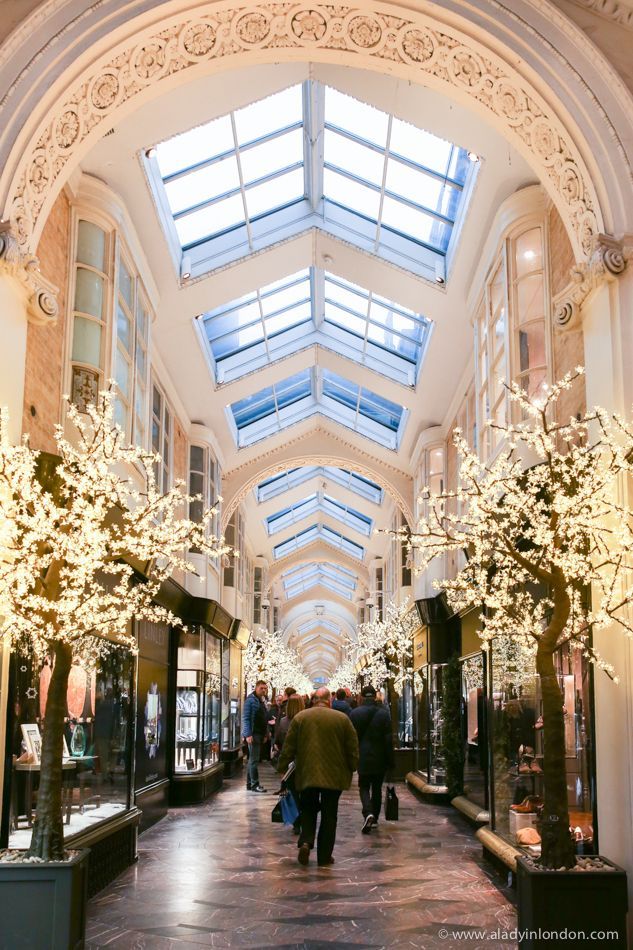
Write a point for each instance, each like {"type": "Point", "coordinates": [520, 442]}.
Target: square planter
{"type": "Point", "coordinates": [44, 905]}
{"type": "Point", "coordinates": [552, 904]}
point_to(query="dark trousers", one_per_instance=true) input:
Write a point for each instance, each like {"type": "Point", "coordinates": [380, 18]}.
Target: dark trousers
{"type": "Point", "coordinates": [370, 788]}
{"type": "Point", "coordinates": [254, 757]}
{"type": "Point", "coordinates": [325, 800]}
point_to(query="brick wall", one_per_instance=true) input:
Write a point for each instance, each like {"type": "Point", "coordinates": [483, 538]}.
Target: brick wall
{"type": "Point", "coordinates": [560, 251]}
{"type": "Point", "coordinates": [568, 345]}
{"type": "Point", "coordinates": [45, 345]}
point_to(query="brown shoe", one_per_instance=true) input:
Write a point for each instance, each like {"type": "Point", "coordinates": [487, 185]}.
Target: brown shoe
{"type": "Point", "coordinates": [304, 854]}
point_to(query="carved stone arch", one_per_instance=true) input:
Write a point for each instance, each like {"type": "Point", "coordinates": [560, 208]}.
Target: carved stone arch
{"type": "Point", "coordinates": [213, 36]}
{"type": "Point", "coordinates": [359, 464]}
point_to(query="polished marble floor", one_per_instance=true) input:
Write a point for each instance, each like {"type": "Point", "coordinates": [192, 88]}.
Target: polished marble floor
{"type": "Point", "coordinates": [222, 875]}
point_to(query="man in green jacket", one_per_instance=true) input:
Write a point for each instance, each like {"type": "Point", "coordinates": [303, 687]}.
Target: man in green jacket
{"type": "Point", "coordinates": [324, 747]}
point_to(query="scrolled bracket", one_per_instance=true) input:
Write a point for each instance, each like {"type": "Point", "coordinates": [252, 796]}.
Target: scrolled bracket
{"type": "Point", "coordinates": [42, 307]}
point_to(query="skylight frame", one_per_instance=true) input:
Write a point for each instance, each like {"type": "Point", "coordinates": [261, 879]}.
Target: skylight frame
{"type": "Point", "coordinates": [300, 579]}
{"type": "Point", "coordinates": [284, 481]}
{"type": "Point", "coordinates": [318, 531]}
{"type": "Point", "coordinates": [260, 424]}
{"type": "Point", "coordinates": [314, 207]}
{"type": "Point", "coordinates": [325, 504]}
{"type": "Point", "coordinates": [330, 321]}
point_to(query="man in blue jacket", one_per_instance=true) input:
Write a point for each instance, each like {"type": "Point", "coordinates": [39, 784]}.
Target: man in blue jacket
{"type": "Point", "coordinates": [373, 726]}
{"type": "Point", "coordinates": [254, 725]}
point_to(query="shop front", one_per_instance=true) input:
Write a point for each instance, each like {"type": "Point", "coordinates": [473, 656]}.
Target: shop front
{"type": "Point", "coordinates": [435, 641]}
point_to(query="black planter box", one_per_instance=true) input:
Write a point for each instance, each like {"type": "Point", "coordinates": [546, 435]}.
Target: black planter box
{"type": "Point", "coordinates": [44, 905]}
{"type": "Point", "coordinates": [578, 901]}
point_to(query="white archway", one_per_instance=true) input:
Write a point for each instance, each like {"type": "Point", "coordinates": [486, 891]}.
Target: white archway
{"type": "Point", "coordinates": [537, 108]}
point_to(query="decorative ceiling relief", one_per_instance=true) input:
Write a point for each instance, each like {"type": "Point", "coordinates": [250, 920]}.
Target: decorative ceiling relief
{"type": "Point", "coordinates": [435, 54]}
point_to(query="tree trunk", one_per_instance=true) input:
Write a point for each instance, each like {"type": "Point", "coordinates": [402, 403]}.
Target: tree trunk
{"type": "Point", "coordinates": [557, 848]}
{"type": "Point", "coordinates": [47, 840]}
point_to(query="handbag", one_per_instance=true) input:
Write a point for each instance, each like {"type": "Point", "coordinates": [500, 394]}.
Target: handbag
{"type": "Point", "coordinates": [276, 816]}
{"type": "Point", "coordinates": [391, 804]}
{"type": "Point", "coordinates": [289, 809]}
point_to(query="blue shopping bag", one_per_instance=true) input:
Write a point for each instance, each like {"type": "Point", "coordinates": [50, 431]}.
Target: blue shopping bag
{"type": "Point", "coordinates": [289, 809]}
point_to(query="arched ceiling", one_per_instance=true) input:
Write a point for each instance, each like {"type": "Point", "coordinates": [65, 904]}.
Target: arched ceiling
{"type": "Point", "coordinates": [317, 530]}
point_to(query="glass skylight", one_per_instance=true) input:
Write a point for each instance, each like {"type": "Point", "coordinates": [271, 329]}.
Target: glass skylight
{"type": "Point", "coordinates": [313, 533]}
{"type": "Point", "coordinates": [284, 481]}
{"type": "Point", "coordinates": [319, 502]}
{"type": "Point", "coordinates": [313, 390]}
{"type": "Point", "coordinates": [318, 623]}
{"type": "Point", "coordinates": [314, 306]}
{"type": "Point", "coordinates": [311, 156]}
{"type": "Point", "coordinates": [334, 578]}
{"type": "Point", "coordinates": [228, 173]}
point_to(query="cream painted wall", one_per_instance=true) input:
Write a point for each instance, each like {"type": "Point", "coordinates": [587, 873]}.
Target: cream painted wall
{"type": "Point", "coordinates": [609, 366]}
{"type": "Point", "coordinates": [12, 352]}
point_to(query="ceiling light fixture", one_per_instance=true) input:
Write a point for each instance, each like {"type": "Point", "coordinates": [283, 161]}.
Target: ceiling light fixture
{"type": "Point", "coordinates": [473, 156]}
{"type": "Point", "coordinates": [150, 152]}
{"type": "Point", "coordinates": [185, 267]}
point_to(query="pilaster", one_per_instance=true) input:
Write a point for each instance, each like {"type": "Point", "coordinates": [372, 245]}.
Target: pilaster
{"type": "Point", "coordinates": [25, 296]}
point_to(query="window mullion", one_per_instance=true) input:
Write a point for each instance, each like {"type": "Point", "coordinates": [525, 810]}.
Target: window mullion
{"type": "Point", "coordinates": [383, 184]}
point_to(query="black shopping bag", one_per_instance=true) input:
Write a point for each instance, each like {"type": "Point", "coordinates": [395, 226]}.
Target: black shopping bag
{"type": "Point", "coordinates": [277, 815]}
{"type": "Point", "coordinates": [391, 804]}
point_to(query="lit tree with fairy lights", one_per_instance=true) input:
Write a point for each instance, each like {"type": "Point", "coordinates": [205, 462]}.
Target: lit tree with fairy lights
{"type": "Point", "coordinates": [86, 541]}
{"type": "Point", "coordinates": [549, 551]}
{"type": "Point", "coordinates": [268, 658]}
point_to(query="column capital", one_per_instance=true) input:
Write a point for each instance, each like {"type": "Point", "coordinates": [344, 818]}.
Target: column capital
{"type": "Point", "coordinates": [41, 295]}
{"type": "Point", "coordinates": [607, 260]}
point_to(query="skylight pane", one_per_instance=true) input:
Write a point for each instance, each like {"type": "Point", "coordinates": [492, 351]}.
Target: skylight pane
{"type": "Point", "coordinates": [289, 318]}
{"type": "Point", "coordinates": [233, 342]}
{"type": "Point", "coordinates": [285, 296]}
{"type": "Point", "coordinates": [275, 193]}
{"type": "Point", "coordinates": [354, 157]}
{"type": "Point", "coordinates": [294, 388]}
{"type": "Point", "coordinates": [210, 221]}
{"type": "Point", "coordinates": [387, 316]}
{"type": "Point", "coordinates": [223, 321]}
{"type": "Point", "coordinates": [355, 116]}
{"type": "Point", "coordinates": [340, 389]}
{"type": "Point", "coordinates": [351, 194]}
{"type": "Point", "coordinates": [380, 410]}
{"type": "Point", "coordinates": [428, 149]}
{"type": "Point", "coordinates": [346, 294]}
{"type": "Point", "coordinates": [414, 185]}
{"type": "Point", "coordinates": [407, 220]}
{"type": "Point", "coordinates": [268, 115]}
{"type": "Point", "coordinates": [346, 320]}
{"type": "Point", "coordinates": [271, 156]}
{"type": "Point", "coordinates": [254, 407]}
{"type": "Point", "coordinates": [210, 182]}
{"type": "Point", "coordinates": [195, 146]}
{"type": "Point", "coordinates": [394, 343]}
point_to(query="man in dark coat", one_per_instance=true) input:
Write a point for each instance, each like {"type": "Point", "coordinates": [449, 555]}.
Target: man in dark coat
{"type": "Point", "coordinates": [340, 703]}
{"type": "Point", "coordinates": [254, 725]}
{"type": "Point", "coordinates": [373, 726]}
{"type": "Point", "coordinates": [324, 748]}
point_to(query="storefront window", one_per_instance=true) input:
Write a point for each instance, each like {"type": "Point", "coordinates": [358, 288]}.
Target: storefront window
{"type": "Point", "coordinates": [405, 717]}
{"type": "Point", "coordinates": [518, 747]}
{"type": "Point", "coordinates": [231, 693]}
{"type": "Point", "coordinates": [437, 767]}
{"type": "Point", "coordinates": [213, 679]}
{"type": "Point", "coordinates": [97, 743]}
{"type": "Point", "coordinates": [197, 700]}
{"type": "Point", "coordinates": [474, 729]}
{"type": "Point", "coordinates": [421, 719]}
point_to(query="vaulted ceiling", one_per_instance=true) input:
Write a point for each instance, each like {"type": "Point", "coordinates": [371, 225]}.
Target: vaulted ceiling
{"type": "Point", "coordinates": [312, 231]}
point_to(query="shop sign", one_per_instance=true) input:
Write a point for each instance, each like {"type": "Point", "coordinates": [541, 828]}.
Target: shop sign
{"type": "Point", "coordinates": [420, 648]}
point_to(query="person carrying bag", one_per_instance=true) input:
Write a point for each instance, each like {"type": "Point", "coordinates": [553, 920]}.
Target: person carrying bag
{"type": "Point", "coordinates": [373, 727]}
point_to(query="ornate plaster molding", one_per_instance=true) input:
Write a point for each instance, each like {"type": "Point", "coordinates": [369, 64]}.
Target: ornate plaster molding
{"type": "Point", "coordinates": [437, 54]}
{"type": "Point", "coordinates": [41, 304]}
{"type": "Point", "coordinates": [618, 11]}
{"type": "Point", "coordinates": [607, 261]}
{"type": "Point", "coordinates": [374, 471]}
